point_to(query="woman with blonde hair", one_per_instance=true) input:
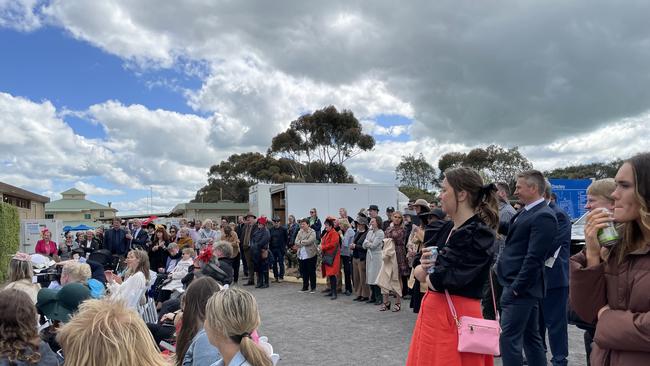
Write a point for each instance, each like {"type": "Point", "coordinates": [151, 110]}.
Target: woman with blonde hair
{"type": "Point", "coordinates": [231, 318]}
{"type": "Point", "coordinates": [20, 276]}
{"type": "Point", "coordinates": [609, 282]}
{"type": "Point", "coordinates": [104, 333]}
{"type": "Point", "coordinates": [132, 287]}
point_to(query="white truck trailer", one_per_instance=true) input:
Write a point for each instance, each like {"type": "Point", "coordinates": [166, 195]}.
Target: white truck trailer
{"type": "Point", "coordinates": [298, 198]}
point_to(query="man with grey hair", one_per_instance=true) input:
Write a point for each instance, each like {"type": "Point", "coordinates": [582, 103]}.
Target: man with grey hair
{"type": "Point", "coordinates": [520, 270]}
{"type": "Point", "coordinates": [140, 237]}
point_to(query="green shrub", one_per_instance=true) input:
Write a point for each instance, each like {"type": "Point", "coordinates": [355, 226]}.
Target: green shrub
{"type": "Point", "coordinates": [9, 236]}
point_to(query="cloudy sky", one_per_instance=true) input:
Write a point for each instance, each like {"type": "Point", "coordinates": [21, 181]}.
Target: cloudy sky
{"type": "Point", "coordinates": [117, 97]}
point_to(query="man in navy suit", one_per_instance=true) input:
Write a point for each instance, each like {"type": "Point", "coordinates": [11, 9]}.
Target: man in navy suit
{"type": "Point", "coordinates": [520, 270]}
{"type": "Point", "coordinates": [553, 314]}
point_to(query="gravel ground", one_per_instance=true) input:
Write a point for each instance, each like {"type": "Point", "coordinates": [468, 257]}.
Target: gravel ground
{"type": "Point", "coordinates": [310, 329]}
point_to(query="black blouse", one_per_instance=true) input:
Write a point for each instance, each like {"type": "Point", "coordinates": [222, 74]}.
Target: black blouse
{"type": "Point", "coordinates": [463, 262]}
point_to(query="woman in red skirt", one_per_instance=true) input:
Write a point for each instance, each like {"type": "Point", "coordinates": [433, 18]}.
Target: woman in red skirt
{"type": "Point", "coordinates": [465, 247]}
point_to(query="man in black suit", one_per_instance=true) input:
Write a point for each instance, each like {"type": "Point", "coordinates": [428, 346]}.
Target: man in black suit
{"type": "Point", "coordinates": [553, 307]}
{"type": "Point", "coordinates": [140, 236]}
{"type": "Point", "coordinates": [520, 270]}
{"type": "Point", "coordinates": [116, 239]}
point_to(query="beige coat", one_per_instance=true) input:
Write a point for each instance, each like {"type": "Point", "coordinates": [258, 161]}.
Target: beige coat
{"type": "Point", "coordinates": [388, 278]}
{"type": "Point", "coordinates": [308, 241]}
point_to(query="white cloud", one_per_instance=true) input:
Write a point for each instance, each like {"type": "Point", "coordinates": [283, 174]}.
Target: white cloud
{"type": "Point", "coordinates": [19, 15]}
{"type": "Point", "coordinates": [92, 189]}
{"type": "Point", "coordinates": [372, 127]}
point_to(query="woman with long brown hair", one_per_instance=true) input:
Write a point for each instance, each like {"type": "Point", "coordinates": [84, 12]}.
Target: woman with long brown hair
{"type": "Point", "coordinates": [132, 287]}
{"type": "Point", "coordinates": [609, 281]}
{"type": "Point", "coordinates": [158, 250]}
{"type": "Point", "coordinates": [461, 269]}
{"type": "Point", "coordinates": [20, 344]}
{"type": "Point", "coordinates": [192, 344]}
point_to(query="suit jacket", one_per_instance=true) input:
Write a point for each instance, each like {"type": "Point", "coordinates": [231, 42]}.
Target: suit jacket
{"type": "Point", "coordinates": [558, 275]}
{"type": "Point", "coordinates": [116, 241]}
{"type": "Point", "coordinates": [531, 239]}
{"type": "Point", "coordinates": [141, 240]}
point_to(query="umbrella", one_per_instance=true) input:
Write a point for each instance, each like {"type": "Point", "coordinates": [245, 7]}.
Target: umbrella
{"type": "Point", "coordinates": [81, 227]}
{"type": "Point", "coordinates": [150, 219]}
{"type": "Point", "coordinates": [67, 228]}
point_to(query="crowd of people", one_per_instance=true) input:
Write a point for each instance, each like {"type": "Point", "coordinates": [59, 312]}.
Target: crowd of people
{"type": "Point", "coordinates": [471, 257]}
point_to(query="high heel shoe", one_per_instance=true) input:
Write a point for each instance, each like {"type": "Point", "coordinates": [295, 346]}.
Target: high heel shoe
{"type": "Point", "coordinates": [385, 306]}
{"type": "Point", "coordinates": [398, 307]}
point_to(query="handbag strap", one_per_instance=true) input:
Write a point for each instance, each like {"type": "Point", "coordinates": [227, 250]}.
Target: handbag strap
{"type": "Point", "coordinates": [494, 302]}
{"type": "Point", "coordinates": [452, 308]}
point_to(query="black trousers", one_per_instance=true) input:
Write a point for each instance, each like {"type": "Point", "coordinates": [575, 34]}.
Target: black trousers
{"type": "Point", "coordinates": [236, 261]}
{"type": "Point", "coordinates": [346, 261]}
{"type": "Point", "coordinates": [278, 261]}
{"type": "Point", "coordinates": [308, 273]}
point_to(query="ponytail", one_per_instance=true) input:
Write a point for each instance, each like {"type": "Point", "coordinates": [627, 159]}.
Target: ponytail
{"type": "Point", "coordinates": [488, 206]}
{"type": "Point", "coordinates": [253, 353]}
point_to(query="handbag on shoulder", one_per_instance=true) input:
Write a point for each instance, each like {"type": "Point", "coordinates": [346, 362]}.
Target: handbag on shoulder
{"type": "Point", "coordinates": [328, 259]}
{"type": "Point", "coordinates": [477, 335]}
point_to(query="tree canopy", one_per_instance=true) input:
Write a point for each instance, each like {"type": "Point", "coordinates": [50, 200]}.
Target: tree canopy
{"type": "Point", "coordinates": [322, 141]}
{"type": "Point", "coordinates": [312, 150]}
{"type": "Point", "coordinates": [593, 170]}
{"type": "Point", "coordinates": [498, 164]}
{"type": "Point", "coordinates": [416, 172]}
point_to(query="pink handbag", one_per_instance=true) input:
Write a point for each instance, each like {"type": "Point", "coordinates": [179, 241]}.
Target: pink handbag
{"type": "Point", "coordinates": [477, 335]}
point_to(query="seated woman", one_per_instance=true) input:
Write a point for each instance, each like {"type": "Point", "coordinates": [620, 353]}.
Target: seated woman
{"type": "Point", "coordinates": [124, 341]}
{"type": "Point", "coordinates": [176, 275]}
{"type": "Point", "coordinates": [131, 289]}
{"type": "Point", "coordinates": [20, 276]}
{"type": "Point", "coordinates": [231, 318]}
{"type": "Point", "coordinates": [20, 344]}
{"type": "Point", "coordinates": [192, 345]}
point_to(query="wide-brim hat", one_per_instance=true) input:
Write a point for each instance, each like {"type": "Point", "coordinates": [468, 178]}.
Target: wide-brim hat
{"type": "Point", "coordinates": [249, 215]}
{"type": "Point", "coordinates": [62, 304]}
{"type": "Point", "coordinates": [437, 212]}
{"type": "Point", "coordinates": [362, 220]}
{"type": "Point", "coordinates": [424, 205]}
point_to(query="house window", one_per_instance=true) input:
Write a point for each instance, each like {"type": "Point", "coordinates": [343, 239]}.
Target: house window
{"type": "Point", "coordinates": [101, 213]}
{"type": "Point", "coordinates": [87, 216]}
{"type": "Point", "coordinates": [49, 216]}
{"type": "Point", "coordinates": [18, 202]}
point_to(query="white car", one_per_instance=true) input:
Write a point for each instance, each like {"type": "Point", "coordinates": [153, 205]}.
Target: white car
{"type": "Point", "coordinates": [578, 234]}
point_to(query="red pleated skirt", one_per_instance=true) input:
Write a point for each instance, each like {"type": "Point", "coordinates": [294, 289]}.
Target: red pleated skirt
{"type": "Point", "coordinates": [435, 337]}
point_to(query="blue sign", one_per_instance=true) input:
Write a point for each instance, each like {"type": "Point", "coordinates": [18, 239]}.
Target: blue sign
{"type": "Point", "coordinates": [571, 195]}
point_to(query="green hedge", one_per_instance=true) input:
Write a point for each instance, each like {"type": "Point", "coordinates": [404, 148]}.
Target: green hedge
{"type": "Point", "coordinates": [9, 236]}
